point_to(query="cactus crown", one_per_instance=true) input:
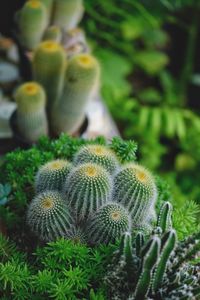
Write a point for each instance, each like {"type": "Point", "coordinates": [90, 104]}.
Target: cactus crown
{"type": "Point", "coordinates": [33, 3]}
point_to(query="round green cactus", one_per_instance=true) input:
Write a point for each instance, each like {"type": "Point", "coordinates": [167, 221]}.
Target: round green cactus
{"type": "Point", "coordinates": [53, 33]}
{"type": "Point", "coordinates": [81, 80]}
{"type": "Point", "coordinates": [31, 116]}
{"type": "Point", "coordinates": [76, 235]}
{"type": "Point", "coordinates": [87, 187]}
{"type": "Point", "coordinates": [134, 187]}
{"type": "Point", "coordinates": [48, 216]}
{"type": "Point", "coordinates": [67, 13]}
{"type": "Point", "coordinates": [32, 20]}
{"type": "Point", "coordinates": [98, 154]}
{"type": "Point", "coordinates": [52, 175]}
{"type": "Point", "coordinates": [49, 64]}
{"type": "Point", "coordinates": [108, 224]}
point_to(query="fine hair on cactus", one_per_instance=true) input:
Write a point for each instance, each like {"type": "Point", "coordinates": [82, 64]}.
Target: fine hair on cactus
{"type": "Point", "coordinates": [49, 216]}
{"type": "Point", "coordinates": [98, 154]}
{"type": "Point", "coordinates": [87, 187]}
{"type": "Point", "coordinates": [31, 115]}
{"type": "Point", "coordinates": [52, 175]}
{"type": "Point", "coordinates": [135, 188]}
{"type": "Point", "coordinates": [108, 224]}
{"type": "Point", "coordinates": [81, 80]}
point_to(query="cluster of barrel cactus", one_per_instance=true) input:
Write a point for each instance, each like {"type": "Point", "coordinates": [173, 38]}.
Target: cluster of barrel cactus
{"type": "Point", "coordinates": [68, 78]}
{"type": "Point", "coordinates": [102, 199]}
{"type": "Point", "coordinates": [159, 268]}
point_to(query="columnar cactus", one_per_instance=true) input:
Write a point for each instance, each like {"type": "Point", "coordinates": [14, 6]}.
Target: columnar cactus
{"type": "Point", "coordinates": [134, 187]}
{"type": "Point", "coordinates": [81, 79]}
{"type": "Point", "coordinates": [32, 20]}
{"type": "Point", "coordinates": [31, 116]}
{"type": "Point", "coordinates": [108, 224]}
{"type": "Point", "coordinates": [98, 154]}
{"type": "Point", "coordinates": [49, 64]}
{"type": "Point", "coordinates": [48, 216]}
{"type": "Point", "coordinates": [164, 217]}
{"type": "Point", "coordinates": [87, 187]}
{"type": "Point", "coordinates": [67, 13]}
{"type": "Point", "coordinates": [52, 175]}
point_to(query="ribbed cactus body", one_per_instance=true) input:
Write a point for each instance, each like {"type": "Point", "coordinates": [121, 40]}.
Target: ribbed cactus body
{"type": "Point", "coordinates": [32, 20]}
{"type": "Point", "coordinates": [87, 187]}
{"type": "Point", "coordinates": [76, 235]}
{"type": "Point", "coordinates": [81, 79]}
{"type": "Point", "coordinates": [48, 216]}
{"type": "Point", "coordinates": [67, 13]}
{"type": "Point", "coordinates": [31, 116]}
{"type": "Point", "coordinates": [53, 33]}
{"type": "Point", "coordinates": [49, 64]}
{"type": "Point", "coordinates": [108, 224]}
{"type": "Point", "coordinates": [52, 175]}
{"type": "Point", "coordinates": [98, 154]}
{"type": "Point", "coordinates": [49, 6]}
{"type": "Point", "coordinates": [134, 187]}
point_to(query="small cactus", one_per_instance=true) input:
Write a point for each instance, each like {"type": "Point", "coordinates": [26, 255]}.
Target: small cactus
{"type": "Point", "coordinates": [32, 20]}
{"type": "Point", "coordinates": [48, 216]}
{"type": "Point", "coordinates": [76, 235]}
{"type": "Point", "coordinates": [52, 175]}
{"type": "Point", "coordinates": [87, 187]}
{"type": "Point", "coordinates": [81, 79]}
{"type": "Point", "coordinates": [67, 13]}
{"type": "Point", "coordinates": [53, 33]}
{"type": "Point", "coordinates": [98, 154]}
{"type": "Point", "coordinates": [49, 64]}
{"type": "Point", "coordinates": [108, 224]}
{"type": "Point", "coordinates": [31, 116]}
{"type": "Point", "coordinates": [134, 187]}
{"type": "Point", "coordinates": [164, 218]}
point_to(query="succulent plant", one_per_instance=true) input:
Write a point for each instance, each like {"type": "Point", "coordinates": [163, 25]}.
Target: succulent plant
{"type": "Point", "coordinates": [76, 234]}
{"type": "Point", "coordinates": [87, 187]}
{"type": "Point", "coordinates": [134, 187]}
{"type": "Point", "coordinates": [32, 20]}
{"type": "Point", "coordinates": [53, 33]}
{"type": "Point", "coordinates": [52, 175]}
{"type": "Point", "coordinates": [81, 80]}
{"type": "Point", "coordinates": [49, 216]}
{"type": "Point", "coordinates": [67, 13]}
{"type": "Point", "coordinates": [98, 154]}
{"type": "Point", "coordinates": [49, 6]}
{"type": "Point", "coordinates": [108, 224]}
{"type": "Point", "coordinates": [31, 116]}
{"type": "Point", "coordinates": [49, 64]}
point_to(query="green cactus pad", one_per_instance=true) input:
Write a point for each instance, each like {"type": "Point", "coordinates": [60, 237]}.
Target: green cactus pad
{"type": "Point", "coordinates": [134, 187]}
{"type": "Point", "coordinates": [98, 154]}
{"type": "Point", "coordinates": [52, 175]}
{"type": "Point", "coordinates": [48, 216]}
{"type": "Point", "coordinates": [108, 224]}
{"type": "Point", "coordinates": [87, 187]}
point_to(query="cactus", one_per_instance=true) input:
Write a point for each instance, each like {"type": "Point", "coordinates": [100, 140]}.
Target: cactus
{"type": "Point", "coordinates": [164, 217]}
{"type": "Point", "coordinates": [49, 64]}
{"type": "Point", "coordinates": [108, 224]}
{"type": "Point", "coordinates": [134, 187]}
{"type": "Point", "coordinates": [87, 187]}
{"type": "Point", "coordinates": [32, 20]}
{"type": "Point", "coordinates": [98, 154]}
{"type": "Point", "coordinates": [31, 116]}
{"type": "Point", "coordinates": [81, 79]}
{"type": "Point", "coordinates": [49, 6]}
{"type": "Point", "coordinates": [48, 216]}
{"type": "Point", "coordinates": [76, 234]}
{"type": "Point", "coordinates": [52, 175]}
{"type": "Point", "coordinates": [53, 33]}
{"type": "Point", "coordinates": [67, 13]}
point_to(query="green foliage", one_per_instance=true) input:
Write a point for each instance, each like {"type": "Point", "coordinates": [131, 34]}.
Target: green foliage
{"type": "Point", "coordinates": [5, 191]}
{"type": "Point", "coordinates": [125, 150]}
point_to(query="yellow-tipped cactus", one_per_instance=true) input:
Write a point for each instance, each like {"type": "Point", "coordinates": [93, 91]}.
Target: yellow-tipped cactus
{"type": "Point", "coordinates": [67, 13]}
{"type": "Point", "coordinates": [49, 64]}
{"type": "Point", "coordinates": [32, 20]}
{"type": "Point", "coordinates": [53, 33]}
{"type": "Point", "coordinates": [31, 115]}
{"type": "Point", "coordinates": [81, 80]}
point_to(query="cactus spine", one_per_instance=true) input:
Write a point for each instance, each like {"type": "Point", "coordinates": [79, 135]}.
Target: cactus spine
{"type": "Point", "coordinates": [67, 13]}
{"type": "Point", "coordinates": [49, 64]}
{"type": "Point", "coordinates": [108, 224]}
{"type": "Point", "coordinates": [134, 187]}
{"type": "Point", "coordinates": [32, 20]}
{"type": "Point", "coordinates": [87, 187]}
{"type": "Point", "coordinates": [52, 175]}
{"type": "Point", "coordinates": [31, 116]}
{"type": "Point", "coordinates": [81, 79]}
{"type": "Point", "coordinates": [98, 154]}
{"type": "Point", "coordinates": [48, 216]}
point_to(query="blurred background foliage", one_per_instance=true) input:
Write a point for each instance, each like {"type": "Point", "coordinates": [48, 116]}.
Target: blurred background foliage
{"type": "Point", "coordinates": [151, 82]}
